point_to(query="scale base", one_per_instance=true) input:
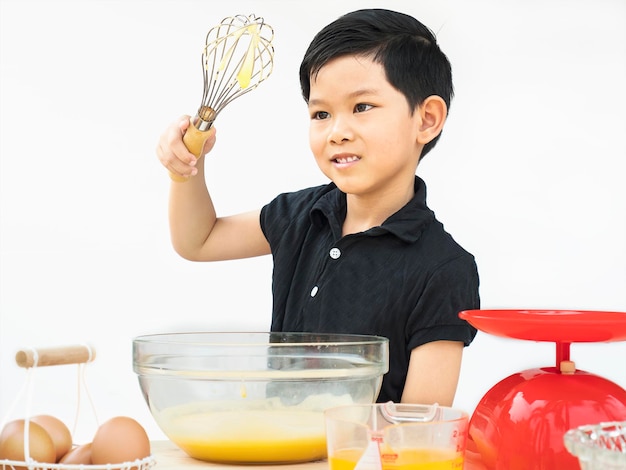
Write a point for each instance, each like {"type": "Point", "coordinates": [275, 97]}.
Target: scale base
{"type": "Point", "coordinates": [521, 421]}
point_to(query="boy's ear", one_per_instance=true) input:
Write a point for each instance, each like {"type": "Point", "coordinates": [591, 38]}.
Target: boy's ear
{"type": "Point", "coordinates": [433, 112]}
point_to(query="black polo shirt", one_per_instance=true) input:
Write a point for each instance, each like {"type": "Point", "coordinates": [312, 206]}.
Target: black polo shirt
{"type": "Point", "coordinates": [406, 280]}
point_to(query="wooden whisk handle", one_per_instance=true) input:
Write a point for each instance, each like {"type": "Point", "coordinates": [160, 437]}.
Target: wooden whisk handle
{"type": "Point", "coordinates": [39, 357]}
{"type": "Point", "coordinates": [194, 140]}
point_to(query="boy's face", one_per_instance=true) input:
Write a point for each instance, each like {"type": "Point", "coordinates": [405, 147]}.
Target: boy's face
{"type": "Point", "coordinates": [362, 133]}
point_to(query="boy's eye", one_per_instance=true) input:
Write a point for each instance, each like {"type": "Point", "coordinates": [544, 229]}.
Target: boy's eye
{"type": "Point", "coordinates": [361, 107]}
{"type": "Point", "coordinates": [319, 115]}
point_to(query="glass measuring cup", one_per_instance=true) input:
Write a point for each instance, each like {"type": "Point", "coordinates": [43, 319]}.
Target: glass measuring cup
{"type": "Point", "coordinates": [393, 436]}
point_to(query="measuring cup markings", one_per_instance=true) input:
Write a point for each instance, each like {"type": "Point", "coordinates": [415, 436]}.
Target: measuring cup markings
{"type": "Point", "coordinates": [371, 458]}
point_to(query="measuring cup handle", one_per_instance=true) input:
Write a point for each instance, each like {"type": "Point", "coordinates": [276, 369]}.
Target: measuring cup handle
{"type": "Point", "coordinates": [39, 357]}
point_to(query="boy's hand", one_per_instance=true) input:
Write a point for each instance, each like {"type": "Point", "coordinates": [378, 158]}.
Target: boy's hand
{"type": "Point", "coordinates": [173, 153]}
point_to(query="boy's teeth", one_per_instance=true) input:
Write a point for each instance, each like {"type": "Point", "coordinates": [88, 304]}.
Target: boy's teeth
{"type": "Point", "coordinates": [347, 159]}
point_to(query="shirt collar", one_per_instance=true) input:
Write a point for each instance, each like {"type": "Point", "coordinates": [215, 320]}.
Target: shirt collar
{"type": "Point", "coordinates": [406, 224]}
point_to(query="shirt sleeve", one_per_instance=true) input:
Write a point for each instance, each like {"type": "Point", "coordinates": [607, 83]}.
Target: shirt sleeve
{"type": "Point", "coordinates": [288, 212]}
{"type": "Point", "coordinates": [275, 217]}
{"type": "Point", "coordinates": [452, 288]}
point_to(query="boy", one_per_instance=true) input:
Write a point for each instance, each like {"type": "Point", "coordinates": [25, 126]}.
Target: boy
{"type": "Point", "coordinates": [363, 254]}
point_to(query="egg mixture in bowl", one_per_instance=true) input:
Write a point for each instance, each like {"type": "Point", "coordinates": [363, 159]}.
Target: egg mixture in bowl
{"type": "Point", "coordinates": [255, 397]}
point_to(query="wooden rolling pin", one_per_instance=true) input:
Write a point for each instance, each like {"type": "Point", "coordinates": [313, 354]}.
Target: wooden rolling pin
{"type": "Point", "coordinates": [39, 357]}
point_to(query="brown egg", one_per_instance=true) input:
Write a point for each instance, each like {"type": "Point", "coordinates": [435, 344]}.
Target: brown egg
{"type": "Point", "coordinates": [120, 439]}
{"type": "Point", "coordinates": [58, 431]}
{"type": "Point", "coordinates": [78, 455]}
{"type": "Point", "coordinates": [41, 447]}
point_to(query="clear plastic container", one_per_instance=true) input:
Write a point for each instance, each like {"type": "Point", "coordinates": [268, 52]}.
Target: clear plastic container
{"type": "Point", "coordinates": [396, 436]}
{"type": "Point", "coordinates": [598, 446]}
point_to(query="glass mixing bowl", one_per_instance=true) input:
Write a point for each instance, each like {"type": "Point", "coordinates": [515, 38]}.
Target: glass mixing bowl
{"type": "Point", "coordinates": [239, 397]}
{"type": "Point", "coordinates": [598, 446]}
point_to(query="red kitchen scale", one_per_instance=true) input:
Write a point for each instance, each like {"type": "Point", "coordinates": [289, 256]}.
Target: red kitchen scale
{"type": "Point", "coordinates": [520, 422]}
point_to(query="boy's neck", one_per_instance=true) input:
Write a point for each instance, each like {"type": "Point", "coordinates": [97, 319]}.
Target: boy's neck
{"type": "Point", "coordinates": [365, 212]}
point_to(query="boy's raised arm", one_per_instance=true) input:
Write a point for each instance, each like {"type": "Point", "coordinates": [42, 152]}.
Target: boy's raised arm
{"type": "Point", "coordinates": [197, 233]}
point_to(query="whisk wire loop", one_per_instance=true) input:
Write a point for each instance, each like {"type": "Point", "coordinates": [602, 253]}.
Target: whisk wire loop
{"type": "Point", "coordinates": [238, 55]}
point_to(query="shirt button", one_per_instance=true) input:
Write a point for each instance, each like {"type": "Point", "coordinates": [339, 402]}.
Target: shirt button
{"type": "Point", "coordinates": [335, 253]}
{"type": "Point", "coordinates": [314, 291]}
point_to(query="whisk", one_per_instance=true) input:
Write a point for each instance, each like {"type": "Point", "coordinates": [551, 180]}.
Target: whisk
{"type": "Point", "coordinates": [238, 55]}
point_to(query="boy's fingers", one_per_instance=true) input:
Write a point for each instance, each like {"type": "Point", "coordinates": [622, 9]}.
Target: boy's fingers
{"type": "Point", "coordinates": [183, 123]}
{"type": "Point", "coordinates": [210, 141]}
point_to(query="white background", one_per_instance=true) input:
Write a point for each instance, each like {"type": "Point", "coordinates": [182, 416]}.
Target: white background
{"type": "Point", "coordinates": [528, 176]}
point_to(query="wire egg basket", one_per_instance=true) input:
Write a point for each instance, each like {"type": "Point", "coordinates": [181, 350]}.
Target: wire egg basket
{"type": "Point", "coordinates": [143, 464]}
{"type": "Point", "coordinates": [31, 359]}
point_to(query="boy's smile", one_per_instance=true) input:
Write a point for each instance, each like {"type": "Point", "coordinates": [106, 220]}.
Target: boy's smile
{"type": "Point", "coordinates": [343, 159]}
{"type": "Point", "coordinates": [362, 132]}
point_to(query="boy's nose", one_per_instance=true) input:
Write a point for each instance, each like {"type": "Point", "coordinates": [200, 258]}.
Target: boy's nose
{"type": "Point", "coordinates": [340, 131]}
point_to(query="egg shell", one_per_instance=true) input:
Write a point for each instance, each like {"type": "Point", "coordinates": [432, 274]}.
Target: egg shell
{"type": "Point", "coordinates": [120, 439]}
{"type": "Point", "coordinates": [58, 431]}
{"type": "Point", "coordinates": [78, 455]}
{"type": "Point", "coordinates": [41, 447]}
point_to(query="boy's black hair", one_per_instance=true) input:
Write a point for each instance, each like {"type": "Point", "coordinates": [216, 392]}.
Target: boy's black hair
{"type": "Point", "coordinates": [408, 51]}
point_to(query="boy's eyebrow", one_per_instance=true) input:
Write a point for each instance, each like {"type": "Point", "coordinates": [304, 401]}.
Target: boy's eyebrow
{"type": "Point", "coordinates": [351, 95]}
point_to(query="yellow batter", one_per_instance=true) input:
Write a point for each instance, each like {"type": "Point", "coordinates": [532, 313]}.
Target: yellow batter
{"type": "Point", "coordinates": [261, 431]}
{"type": "Point", "coordinates": [405, 459]}
{"type": "Point", "coordinates": [252, 436]}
